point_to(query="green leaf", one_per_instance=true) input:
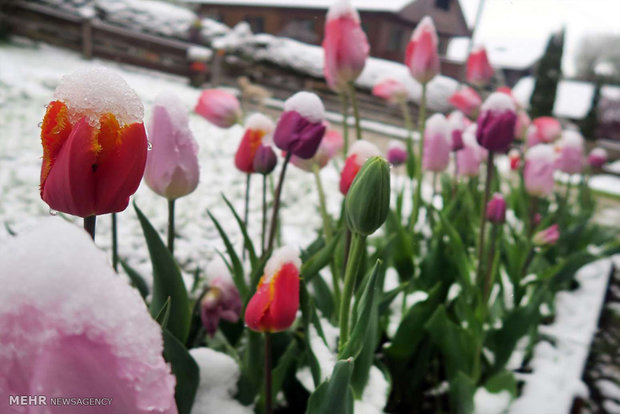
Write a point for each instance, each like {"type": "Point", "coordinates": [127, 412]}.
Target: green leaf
{"type": "Point", "coordinates": [462, 390]}
{"type": "Point", "coordinates": [504, 381]}
{"type": "Point", "coordinates": [167, 282]}
{"type": "Point", "coordinates": [458, 249]}
{"type": "Point", "coordinates": [323, 296]}
{"type": "Point", "coordinates": [164, 314]}
{"type": "Point", "coordinates": [286, 365]}
{"type": "Point", "coordinates": [389, 296]}
{"type": "Point", "coordinates": [320, 259]}
{"type": "Point", "coordinates": [237, 267]}
{"type": "Point", "coordinates": [246, 238]}
{"type": "Point", "coordinates": [335, 395]}
{"type": "Point", "coordinates": [184, 369]}
{"type": "Point", "coordinates": [136, 279]}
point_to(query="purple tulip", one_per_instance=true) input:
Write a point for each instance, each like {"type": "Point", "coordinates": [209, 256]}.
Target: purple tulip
{"type": "Point", "coordinates": [437, 144]}
{"type": "Point", "coordinates": [458, 123]}
{"type": "Point", "coordinates": [597, 158]}
{"type": "Point", "coordinates": [172, 165]}
{"type": "Point", "coordinates": [547, 237]}
{"type": "Point", "coordinates": [221, 301]}
{"type": "Point", "coordinates": [496, 123]}
{"type": "Point", "coordinates": [265, 159]}
{"type": "Point", "coordinates": [396, 153]}
{"type": "Point", "coordinates": [300, 129]}
{"type": "Point", "coordinates": [538, 170]}
{"type": "Point", "coordinates": [496, 209]}
{"type": "Point", "coordinates": [570, 152]}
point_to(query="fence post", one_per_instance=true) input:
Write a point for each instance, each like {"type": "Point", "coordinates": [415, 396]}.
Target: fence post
{"type": "Point", "coordinates": [198, 57]}
{"type": "Point", "coordinates": [87, 14]}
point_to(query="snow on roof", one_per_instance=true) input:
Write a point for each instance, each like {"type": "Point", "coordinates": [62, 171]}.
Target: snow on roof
{"type": "Point", "coordinates": [573, 98]}
{"type": "Point", "coordinates": [370, 5]}
{"type": "Point", "coordinates": [505, 53]}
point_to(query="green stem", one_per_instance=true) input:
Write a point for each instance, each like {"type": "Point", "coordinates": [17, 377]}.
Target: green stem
{"type": "Point", "coordinates": [89, 225]}
{"type": "Point", "coordinates": [488, 281]}
{"type": "Point", "coordinates": [268, 403]}
{"type": "Point", "coordinates": [276, 203]}
{"type": "Point", "coordinates": [353, 265]}
{"type": "Point", "coordinates": [114, 243]}
{"type": "Point", "coordinates": [356, 114]}
{"type": "Point", "coordinates": [345, 124]}
{"type": "Point", "coordinates": [411, 162]}
{"type": "Point", "coordinates": [418, 193]}
{"type": "Point", "coordinates": [322, 205]}
{"type": "Point", "coordinates": [483, 209]}
{"type": "Point", "coordinates": [247, 207]}
{"type": "Point", "coordinates": [171, 226]}
{"type": "Point", "coordinates": [264, 216]}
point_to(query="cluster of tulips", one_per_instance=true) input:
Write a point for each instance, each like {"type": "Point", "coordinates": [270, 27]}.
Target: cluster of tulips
{"type": "Point", "coordinates": [470, 266]}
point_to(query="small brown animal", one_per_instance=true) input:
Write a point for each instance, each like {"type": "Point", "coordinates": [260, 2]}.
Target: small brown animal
{"type": "Point", "coordinates": [251, 92]}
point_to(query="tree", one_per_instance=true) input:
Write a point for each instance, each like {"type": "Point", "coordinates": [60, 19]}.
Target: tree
{"type": "Point", "coordinates": [589, 124]}
{"type": "Point", "coordinates": [548, 73]}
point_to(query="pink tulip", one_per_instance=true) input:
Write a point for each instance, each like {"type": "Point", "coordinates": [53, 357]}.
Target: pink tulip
{"type": "Point", "coordinates": [479, 70]}
{"type": "Point", "coordinates": [421, 56]}
{"type": "Point", "coordinates": [345, 45]}
{"type": "Point", "coordinates": [496, 123]}
{"type": "Point", "coordinates": [219, 107]}
{"type": "Point", "coordinates": [496, 209]}
{"type": "Point", "coordinates": [359, 153]}
{"type": "Point", "coordinates": [545, 130]}
{"type": "Point", "coordinates": [396, 153]}
{"type": "Point", "coordinates": [70, 327]}
{"type": "Point", "coordinates": [570, 152]}
{"type": "Point", "coordinates": [538, 170]}
{"type": "Point", "coordinates": [469, 158]}
{"type": "Point", "coordinates": [391, 90]}
{"type": "Point", "coordinates": [514, 156]}
{"type": "Point", "coordinates": [330, 145]}
{"type": "Point", "coordinates": [466, 100]}
{"type": "Point", "coordinates": [458, 122]}
{"type": "Point", "coordinates": [172, 165]}
{"type": "Point", "coordinates": [220, 301]}
{"type": "Point", "coordinates": [597, 158]}
{"type": "Point", "coordinates": [437, 144]}
{"type": "Point", "coordinates": [547, 237]}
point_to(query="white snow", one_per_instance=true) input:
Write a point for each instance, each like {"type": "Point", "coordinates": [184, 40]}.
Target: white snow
{"type": "Point", "coordinates": [396, 144]}
{"type": "Point", "coordinates": [340, 8]}
{"type": "Point", "coordinates": [280, 257]}
{"type": "Point", "coordinates": [425, 25]}
{"type": "Point", "coordinates": [486, 402]}
{"type": "Point", "coordinates": [175, 109]}
{"type": "Point", "coordinates": [540, 152]}
{"type": "Point", "coordinates": [504, 52]}
{"type": "Point", "coordinates": [199, 53]}
{"type": "Point", "coordinates": [219, 374]}
{"type": "Point", "coordinates": [94, 91]}
{"type": "Point", "coordinates": [570, 138]}
{"type": "Point", "coordinates": [306, 104]}
{"type": "Point", "coordinates": [498, 101]}
{"type": "Point", "coordinates": [369, 5]}
{"type": "Point", "coordinates": [258, 121]}
{"type": "Point", "coordinates": [364, 150]}
{"type": "Point", "coordinates": [437, 124]}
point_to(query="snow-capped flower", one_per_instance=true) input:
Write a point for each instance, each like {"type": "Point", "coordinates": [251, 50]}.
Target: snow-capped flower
{"type": "Point", "coordinates": [359, 153]}
{"type": "Point", "coordinates": [219, 107]}
{"type": "Point", "coordinates": [330, 145]}
{"type": "Point", "coordinates": [478, 69]}
{"type": "Point", "coordinates": [538, 170]}
{"type": "Point", "coordinates": [547, 237]}
{"type": "Point", "coordinates": [391, 90]}
{"type": "Point", "coordinates": [514, 156]}
{"type": "Point", "coordinates": [496, 209]}
{"type": "Point", "coordinates": [274, 305]}
{"type": "Point", "coordinates": [597, 157]}
{"type": "Point", "coordinates": [300, 128]}
{"type": "Point", "coordinates": [396, 153]}
{"type": "Point", "coordinates": [458, 123]}
{"type": "Point", "coordinates": [437, 144]}
{"type": "Point", "coordinates": [172, 165]}
{"type": "Point", "coordinates": [466, 100]}
{"type": "Point", "coordinates": [345, 45]}
{"type": "Point", "coordinates": [94, 144]}
{"type": "Point", "coordinates": [570, 152]}
{"type": "Point", "coordinates": [257, 126]}
{"type": "Point", "coordinates": [468, 159]}
{"type": "Point", "coordinates": [421, 56]}
{"type": "Point", "coordinates": [70, 327]}
{"type": "Point", "coordinates": [545, 129]}
{"type": "Point", "coordinates": [496, 123]}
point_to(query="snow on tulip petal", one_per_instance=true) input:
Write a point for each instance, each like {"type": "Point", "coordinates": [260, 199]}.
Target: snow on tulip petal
{"type": "Point", "coordinates": [397, 153]}
{"type": "Point", "coordinates": [597, 157]}
{"type": "Point", "coordinates": [468, 158]}
{"type": "Point", "coordinates": [538, 170]}
{"type": "Point", "coordinates": [570, 152]}
{"type": "Point", "coordinates": [301, 128]}
{"type": "Point", "coordinates": [359, 153]}
{"type": "Point", "coordinates": [70, 327]}
{"type": "Point", "coordinates": [437, 144]}
{"type": "Point", "coordinates": [496, 123]}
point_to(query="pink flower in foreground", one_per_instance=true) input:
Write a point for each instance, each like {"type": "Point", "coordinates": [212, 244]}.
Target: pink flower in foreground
{"type": "Point", "coordinates": [330, 145]}
{"type": "Point", "coordinates": [570, 152]}
{"type": "Point", "coordinates": [437, 144]}
{"type": "Point", "coordinates": [221, 300]}
{"type": "Point", "coordinates": [514, 156]}
{"type": "Point", "coordinates": [391, 90]}
{"type": "Point", "coordinates": [70, 327]}
{"type": "Point", "coordinates": [496, 209]}
{"type": "Point", "coordinates": [172, 165]}
{"type": "Point", "coordinates": [219, 107]}
{"type": "Point", "coordinates": [479, 70]}
{"type": "Point", "coordinates": [538, 170]}
{"type": "Point", "coordinates": [345, 45]}
{"type": "Point", "coordinates": [547, 237]}
{"type": "Point", "coordinates": [359, 153]}
{"type": "Point", "coordinates": [466, 100]}
{"type": "Point", "coordinates": [545, 130]}
{"type": "Point", "coordinates": [396, 153]}
{"type": "Point", "coordinates": [468, 159]}
{"type": "Point", "coordinates": [496, 123]}
{"type": "Point", "coordinates": [421, 56]}
{"type": "Point", "coordinates": [597, 157]}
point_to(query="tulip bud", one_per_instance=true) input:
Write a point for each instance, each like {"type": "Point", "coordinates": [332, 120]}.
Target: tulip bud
{"type": "Point", "coordinates": [514, 156]}
{"type": "Point", "coordinates": [597, 158]}
{"type": "Point", "coordinates": [172, 165]}
{"type": "Point", "coordinates": [496, 123]}
{"type": "Point", "coordinates": [466, 100]}
{"type": "Point", "coordinates": [570, 149]}
{"type": "Point", "coordinates": [468, 159]}
{"type": "Point", "coordinates": [538, 170]}
{"type": "Point", "coordinates": [547, 237]}
{"type": "Point", "coordinates": [397, 153]}
{"type": "Point", "coordinates": [330, 145]}
{"type": "Point", "coordinates": [345, 46]}
{"type": "Point", "coordinates": [359, 152]}
{"type": "Point", "coordinates": [437, 144]}
{"type": "Point", "coordinates": [300, 129]}
{"type": "Point", "coordinates": [219, 107]}
{"type": "Point", "coordinates": [479, 70]}
{"type": "Point", "coordinates": [274, 305]}
{"type": "Point", "coordinates": [543, 130]}
{"type": "Point", "coordinates": [265, 160]}
{"type": "Point", "coordinates": [458, 122]}
{"type": "Point", "coordinates": [220, 301]}
{"type": "Point", "coordinates": [421, 56]}
{"type": "Point", "coordinates": [496, 209]}
{"type": "Point", "coordinates": [368, 201]}
{"type": "Point", "coordinates": [391, 90]}
{"type": "Point", "coordinates": [257, 127]}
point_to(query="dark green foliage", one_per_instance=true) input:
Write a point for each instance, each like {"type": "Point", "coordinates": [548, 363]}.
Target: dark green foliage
{"type": "Point", "coordinates": [548, 74]}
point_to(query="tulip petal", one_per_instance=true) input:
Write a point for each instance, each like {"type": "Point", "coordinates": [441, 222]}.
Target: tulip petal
{"type": "Point", "coordinates": [55, 130]}
{"type": "Point", "coordinates": [283, 309]}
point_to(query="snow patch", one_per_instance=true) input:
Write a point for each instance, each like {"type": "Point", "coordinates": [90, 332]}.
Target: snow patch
{"type": "Point", "coordinates": [279, 258]}
{"type": "Point", "coordinates": [498, 101]}
{"type": "Point", "coordinates": [306, 104]}
{"type": "Point", "coordinates": [260, 122]}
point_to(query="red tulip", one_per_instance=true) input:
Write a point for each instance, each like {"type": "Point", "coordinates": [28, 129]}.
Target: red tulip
{"type": "Point", "coordinates": [479, 70]}
{"type": "Point", "coordinates": [421, 56]}
{"type": "Point", "coordinates": [274, 305]}
{"type": "Point", "coordinates": [257, 126]}
{"type": "Point", "coordinates": [359, 153]}
{"type": "Point", "coordinates": [467, 101]}
{"type": "Point", "coordinates": [90, 168]}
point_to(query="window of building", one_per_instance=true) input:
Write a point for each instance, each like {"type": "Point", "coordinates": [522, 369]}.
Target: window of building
{"type": "Point", "coordinates": [257, 23]}
{"type": "Point", "coordinates": [442, 4]}
{"type": "Point", "coordinates": [301, 29]}
{"type": "Point", "coordinates": [395, 40]}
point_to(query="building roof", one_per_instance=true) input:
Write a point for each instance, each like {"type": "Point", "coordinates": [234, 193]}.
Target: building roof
{"type": "Point", "coordinates": [392, 6]}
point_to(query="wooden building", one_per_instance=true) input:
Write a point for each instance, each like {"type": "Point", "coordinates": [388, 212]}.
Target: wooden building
{"type": "Point", "coordinates": [388, 23]}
